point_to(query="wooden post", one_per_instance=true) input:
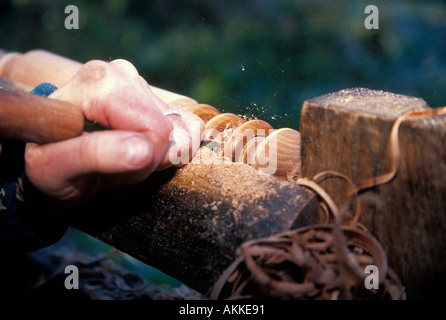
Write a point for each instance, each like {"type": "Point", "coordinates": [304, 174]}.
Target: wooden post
{"type": "Point", "coordinates": [348, 132]}
{"type": "Point", "coordinates": [189, 222]}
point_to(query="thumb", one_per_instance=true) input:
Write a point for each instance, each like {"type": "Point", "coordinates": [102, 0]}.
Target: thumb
{"type": "Point", "coordinates": [74, 167]}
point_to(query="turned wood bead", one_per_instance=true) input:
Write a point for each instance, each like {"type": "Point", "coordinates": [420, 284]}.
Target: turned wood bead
{"type": "Point", "coordinates": [221, 122]}
{"type": "Point", "coordinates": [204, 111]}
{"type": "Point", "coordinates": [250, 148]}
{"type": "Point", "coordinates": [241, 135]}
{"type": "Point", "coordinates": [279, 153]}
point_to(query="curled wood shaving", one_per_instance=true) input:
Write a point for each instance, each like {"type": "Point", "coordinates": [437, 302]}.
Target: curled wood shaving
{"type": "Point", "coordinates": [395, 149]}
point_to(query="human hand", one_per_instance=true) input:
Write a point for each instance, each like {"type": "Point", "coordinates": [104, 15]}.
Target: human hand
{"type": "Point", "coordinates": [144, 140]}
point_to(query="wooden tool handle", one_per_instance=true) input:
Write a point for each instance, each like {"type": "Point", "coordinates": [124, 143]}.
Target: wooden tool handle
{"type": "Point", "coordinates": [31, 118]}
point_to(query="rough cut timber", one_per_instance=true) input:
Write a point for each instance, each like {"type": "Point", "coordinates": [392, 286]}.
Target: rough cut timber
{"type": "Point", "coordinates": [189, 222]}
{"type": "Point", "coordinates": [348, 131]}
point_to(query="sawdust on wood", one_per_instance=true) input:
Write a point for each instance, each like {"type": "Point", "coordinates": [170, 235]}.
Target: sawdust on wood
{"type": "Point", "coordinates": [239, 184]}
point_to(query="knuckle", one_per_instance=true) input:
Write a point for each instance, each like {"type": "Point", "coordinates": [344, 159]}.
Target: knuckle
{"type": "Point", "coordinates": [93, 71]}
{"type": "Point", "coordinates": [125, 66]}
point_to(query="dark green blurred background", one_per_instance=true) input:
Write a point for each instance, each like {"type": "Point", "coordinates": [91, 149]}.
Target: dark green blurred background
{"type": "Point", "coordinates": [260, 58]}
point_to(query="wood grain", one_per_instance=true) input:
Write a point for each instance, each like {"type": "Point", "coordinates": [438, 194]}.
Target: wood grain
{"type": "Point", "coordinates": [204, 111]}
{"type": "Point", "coordinates": [237, 141]}
{"type": "Point", "coordinates": [31, 118]}
{"type": "Point", "coordinates": [348, 131]}
{"type": "Point", "coordinates": [279, 153]}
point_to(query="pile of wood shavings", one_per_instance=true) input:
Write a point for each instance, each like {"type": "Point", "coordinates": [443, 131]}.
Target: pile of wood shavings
{"type": "Point", "coordinates": [303, 264]}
